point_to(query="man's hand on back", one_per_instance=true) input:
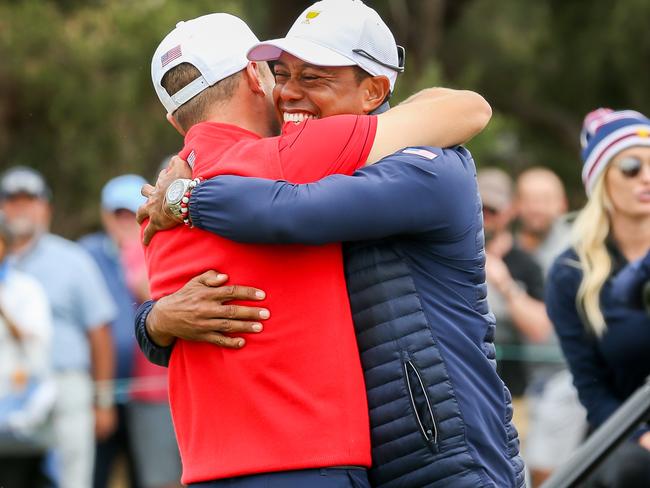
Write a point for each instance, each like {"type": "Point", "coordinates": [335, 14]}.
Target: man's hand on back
{"type": "Point", "coordinates": [199, 312]}
{"type": "Point", "coordinates": [154, 208]}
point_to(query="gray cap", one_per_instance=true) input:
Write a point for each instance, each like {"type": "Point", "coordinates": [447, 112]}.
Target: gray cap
{"type": "Point", "coordinates": [23, 180]}
{"type": "Point", "coordinates": [495, 187]}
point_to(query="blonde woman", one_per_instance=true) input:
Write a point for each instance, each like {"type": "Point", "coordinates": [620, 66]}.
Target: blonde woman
{"type": "Point", "coordinates": [607, 342]}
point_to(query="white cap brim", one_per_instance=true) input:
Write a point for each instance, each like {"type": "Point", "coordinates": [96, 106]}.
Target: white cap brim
{"type": "Point", "coordinates": [304, 49]}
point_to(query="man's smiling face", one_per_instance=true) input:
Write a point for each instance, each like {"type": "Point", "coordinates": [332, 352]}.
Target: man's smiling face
{"type": "Point", "coordinates": [303, 91]}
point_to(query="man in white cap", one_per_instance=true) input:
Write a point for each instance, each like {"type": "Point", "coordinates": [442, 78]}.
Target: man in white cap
{"type": "Point", "coordinates": [332, 84]}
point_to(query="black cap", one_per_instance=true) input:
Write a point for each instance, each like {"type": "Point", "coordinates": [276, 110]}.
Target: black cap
{"type": "Point", "coordinates": [23, 180]}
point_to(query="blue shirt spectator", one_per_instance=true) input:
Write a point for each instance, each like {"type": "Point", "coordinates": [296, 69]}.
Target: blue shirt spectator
{"type": "Point", "coordinates": [107, 256]}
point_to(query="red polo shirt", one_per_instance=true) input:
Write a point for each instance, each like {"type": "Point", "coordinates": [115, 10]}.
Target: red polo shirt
{"type": "Point", "coordinates": [294, 397]}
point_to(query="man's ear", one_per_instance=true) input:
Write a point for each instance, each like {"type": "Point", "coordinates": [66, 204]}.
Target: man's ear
{"type": "Point", "coordinates": [172, 120]}
{"type": "Point", "coordinates": [376, 90]}
{"type": "Point", "coordinates": [254, 78]}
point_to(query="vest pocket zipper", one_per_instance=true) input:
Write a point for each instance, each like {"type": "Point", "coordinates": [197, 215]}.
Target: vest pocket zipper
{"type": "Point", "coordinates": [421, 403]}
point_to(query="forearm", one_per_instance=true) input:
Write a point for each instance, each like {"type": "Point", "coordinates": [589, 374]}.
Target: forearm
{"type": "Point", "coordinates": [528, 314]}
{"type": "Point", "coordinates": [382, 200]}
{"type": "Point", "coordinates": [103, 364]}
{"type": "Point", "coordinates": [430, 94]}
{"type": "Point", "coordinates": [433, 117]}
{"type": "Point", "coordinates": [458, 114]}
{"type": "Point", "coordinates": [157, 354]}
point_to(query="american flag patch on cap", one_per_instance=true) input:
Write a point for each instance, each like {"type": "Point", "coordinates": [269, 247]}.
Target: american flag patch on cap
{"type": "Point", "coordinates": [169, 56]}
{"type": "Point", "coordinates": [191, 157]}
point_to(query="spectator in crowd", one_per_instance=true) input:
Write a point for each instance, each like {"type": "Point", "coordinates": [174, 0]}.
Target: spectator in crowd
{"type": "Point", "coordinates": [26, 391]}
{"type": "Point", "coordinates": [606, 342]}
{"type": "Point", "coordinates": [144, 433]}
{"type": "Point", "coordinates": [82, 308]}
{"type": "Point", "coordinates": [110, 249]}
{"type": "Point", "coordinates": [556, 419]}
{"type": "Point", "coordinates": [541, 206]}
{"type": "Point", "coordinates": [515, 283]}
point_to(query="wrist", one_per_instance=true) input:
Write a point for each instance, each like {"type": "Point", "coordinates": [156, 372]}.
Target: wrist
{"type": "Point", "coordinates": [177, 199]}
{"type": "Point", "coordinates": [104, 396]}
{"type": "Point", "coordinates": [155, 329]}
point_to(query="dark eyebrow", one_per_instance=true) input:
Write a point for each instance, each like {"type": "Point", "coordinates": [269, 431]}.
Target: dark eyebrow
{"type": "Point", "coordinates": [323, 69]}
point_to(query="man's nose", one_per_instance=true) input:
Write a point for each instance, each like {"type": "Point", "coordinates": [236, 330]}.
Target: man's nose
{"type": "Point", "coordinates": [291, 91]}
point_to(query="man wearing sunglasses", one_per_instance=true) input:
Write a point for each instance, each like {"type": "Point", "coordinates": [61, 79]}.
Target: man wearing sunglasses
{"type": "Point", "coordinates": [515, 280]}
{"type": "Point", "coordinates": [416, 281]}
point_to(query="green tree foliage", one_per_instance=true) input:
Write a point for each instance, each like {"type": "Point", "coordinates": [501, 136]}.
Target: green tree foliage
{"type": "Point", "coordinates": [546, 64]}
{"type": "Point", "coordinates": [76, 99]}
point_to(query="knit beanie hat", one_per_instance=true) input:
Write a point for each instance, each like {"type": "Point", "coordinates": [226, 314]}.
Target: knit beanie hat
{"type": "Point", "coordinates": [604, 134]}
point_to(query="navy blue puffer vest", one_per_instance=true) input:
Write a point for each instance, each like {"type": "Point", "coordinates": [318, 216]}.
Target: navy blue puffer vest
{"type": "Point", "coordinates": [418, 433]}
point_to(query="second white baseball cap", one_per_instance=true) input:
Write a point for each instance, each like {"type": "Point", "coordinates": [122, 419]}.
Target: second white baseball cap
{"type": "Point", "coordinates": [339, 33]}
{"type": "Point", "coordinates": [216, 44]}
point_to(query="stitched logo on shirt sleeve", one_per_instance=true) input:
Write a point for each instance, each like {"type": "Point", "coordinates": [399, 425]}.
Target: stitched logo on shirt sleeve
{"type": "Point", "coordinates": [420, 152]}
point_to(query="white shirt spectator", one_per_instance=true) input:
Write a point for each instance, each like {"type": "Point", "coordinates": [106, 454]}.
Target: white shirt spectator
{"type": "Point", "coordinates": [23, 300]}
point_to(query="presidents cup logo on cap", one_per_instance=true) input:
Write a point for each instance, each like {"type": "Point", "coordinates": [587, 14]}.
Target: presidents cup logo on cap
{"type": "Point", "coordinates": [338, 33]}
{"type": "Point", "coordinates": [311, 15]}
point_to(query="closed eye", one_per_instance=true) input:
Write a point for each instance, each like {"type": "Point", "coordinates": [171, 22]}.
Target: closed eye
{"type": "Point", "coordinates": [280, 74]}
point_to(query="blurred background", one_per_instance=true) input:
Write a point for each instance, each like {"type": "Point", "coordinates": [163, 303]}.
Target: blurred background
{"type": "Point", "coordinates": [76, 100]}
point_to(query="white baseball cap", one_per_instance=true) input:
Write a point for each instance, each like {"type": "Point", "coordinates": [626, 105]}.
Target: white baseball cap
{"type": "Point", "coordinates": [339, 33]}
{"type": "Point", "coordinates": [216, 44]}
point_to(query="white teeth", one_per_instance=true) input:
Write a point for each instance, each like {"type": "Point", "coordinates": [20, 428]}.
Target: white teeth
{"type": "Point", "coordinates": [296, 118]}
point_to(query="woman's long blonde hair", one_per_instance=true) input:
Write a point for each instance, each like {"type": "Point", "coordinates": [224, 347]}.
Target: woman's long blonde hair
{"type": "Point", "coordinates": [589, 235]}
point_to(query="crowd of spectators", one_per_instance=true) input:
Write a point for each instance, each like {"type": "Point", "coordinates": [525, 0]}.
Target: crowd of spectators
{"type": "Point", "coordinates": [67, 347]}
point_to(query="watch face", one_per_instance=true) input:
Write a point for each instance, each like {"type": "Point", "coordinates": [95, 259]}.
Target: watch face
{"type": "Point", "coordinates": [175, 192]}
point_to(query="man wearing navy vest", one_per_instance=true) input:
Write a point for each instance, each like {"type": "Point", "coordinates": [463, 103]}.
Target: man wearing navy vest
{"type": "Point", "coordinates": [440, 415]}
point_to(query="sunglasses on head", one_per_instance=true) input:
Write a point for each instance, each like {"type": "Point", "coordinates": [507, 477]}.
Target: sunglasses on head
{"type": "Point", "coordinates": [401, 58]}
{"type": "Point", "coordinates": [630, 166]}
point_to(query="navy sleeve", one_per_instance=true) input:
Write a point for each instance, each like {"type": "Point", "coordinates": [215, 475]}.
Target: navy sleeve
{"type": "Point", "coordinates": [405, 193]}
{"type": "Point", "coordinates": [154, 353]}
{"type": "Point", "coordinates": [590, 372]}
{"type": "Point", "coordinates": [632, 282]}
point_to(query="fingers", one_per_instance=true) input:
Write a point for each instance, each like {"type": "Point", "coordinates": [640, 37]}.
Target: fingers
{"type": "Point", "coordinates": [142, 213]}
{"type": "Point", "coordinates": [147, 190]}
{"type": "Point", "coordinates": [214, 330]}
{"type": "Point", "coordinates": [224, 341]}
{"type": "Point", "coordinates": [212, 278]}
{"type": "Point", "coordinates": [149, 232]}
{"type": "Point", "coordinates": [178, 164]}
{"type": "Point", "coordinates": [238, 312]}
{"type": "Point", "coordinates": [239, 292]}
{"type": "Point", "coordinates": [225, 326]}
